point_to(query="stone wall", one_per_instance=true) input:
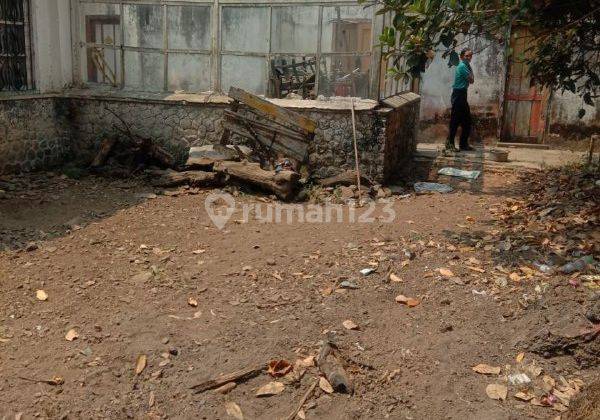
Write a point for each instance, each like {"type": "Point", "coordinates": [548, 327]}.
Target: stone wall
{"type": "Point", "coordinates": [174, 125]}
{"type": "Point", "coordinates": [385, 136]}
{"type": "Point", "coordinates": [34, 133]}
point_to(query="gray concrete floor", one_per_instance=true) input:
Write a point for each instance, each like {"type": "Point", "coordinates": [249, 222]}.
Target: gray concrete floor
{"type": "Point", "coordinates": [517, 157]}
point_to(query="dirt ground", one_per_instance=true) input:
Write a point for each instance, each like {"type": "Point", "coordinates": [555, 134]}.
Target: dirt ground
{"type": "Point", "coordinates": [124, 269]}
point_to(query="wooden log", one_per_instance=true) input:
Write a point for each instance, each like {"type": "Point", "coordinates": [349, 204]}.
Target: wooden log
{"type": "Point", "coordinates": [592, 147]}
{"type": "Point", "coordinates": [345, 178]}
{"type": "Point", "coordinates": [284, 116]}
{"type": "Point", "coordinates": [106, 147]}
{"type": "Point", "coordinates": [171, 178]}
{"type": "Point", "coordinates": [238, 376]}
{"type": "Point", "coordinates": [154, 151]}
{"type": "Point", "coordinates": [283, 184]}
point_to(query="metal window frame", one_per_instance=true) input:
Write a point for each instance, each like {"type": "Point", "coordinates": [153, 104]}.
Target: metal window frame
{"type": "Point", "coordinates": [215, 52]}
{"type": "Point", "coordinates": [29, 51]}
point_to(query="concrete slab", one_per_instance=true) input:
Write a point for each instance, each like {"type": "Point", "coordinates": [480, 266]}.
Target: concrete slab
{"type": "Point", "coordinates": [517, 157]}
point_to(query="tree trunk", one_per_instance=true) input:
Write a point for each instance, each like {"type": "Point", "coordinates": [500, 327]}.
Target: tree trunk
{"type": "Point", "coordinates": [282, 184]}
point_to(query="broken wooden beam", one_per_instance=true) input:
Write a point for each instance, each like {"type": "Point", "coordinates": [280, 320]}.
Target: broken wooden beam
{"type": "Point", "coordinates": [270, 138]}
{"type": "Point", "coordinates": [238, 376]}
{"type": "Point", "coordinates": [283, 184]}
{"type": "Point", "coordinates": [170, 178]}
{"type": "Point", "coordinates": [106, 147]}
{"type": "Point", "coordinates": [281, 115]}
{"type": "Point", "coordinates": [345, 178]}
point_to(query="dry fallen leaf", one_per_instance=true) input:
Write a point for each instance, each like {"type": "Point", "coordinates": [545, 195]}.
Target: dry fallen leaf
{"type": "Point", "coordinates": [520, 357]}
{"type": "Point", "coordinates": [514, 277]}
{"type": "Point", "coordinates": [151, 399]}
{"type": "Point", "coordinates": [446, 273]}
{"type": "Point", "coordinates": [350, 325]}
{"type": "Point", "coordinates": [301, 414]}
{"type": "Point", "coordinates": [410, 302]}
{"type": "Point", "coordinates": [487, 369]}
{"type": "Point", "coordinates": [470, 219]}
{"type": "Point", "coordinates": [192, 302]}
{"type": "Point", "coordinates": [234, 410]}
{"type": "Point", "coordinates": [272, 388]}
{"type": "Point", "coordinates": [496, 391]}
{"type": "Point", "coordinates": [41, 295]}
{"type": "Point", "coordinates": [278, 368]}
{"type": "Point", "coordinates": [325, 385]}
{"type": "Point", "coordinates": [523, 396]}
{"type": "Point", "coordinates": [140, 364]}
{"type": "Point", "coordinates": [395, 278]}
{"type": "Point", "coordinates": [306, 362]}
{"type": "Point", "coordinates": [71, 335]}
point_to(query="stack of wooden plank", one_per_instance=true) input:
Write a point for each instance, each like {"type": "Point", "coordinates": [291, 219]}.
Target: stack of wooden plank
{"type": "Point", "coordinates": [275, 132]}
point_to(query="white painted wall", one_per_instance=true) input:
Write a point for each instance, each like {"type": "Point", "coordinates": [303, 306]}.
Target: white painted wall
{"type": "Point", "coordinates": [51, 32]}
{"type": "Point", "coordinates": [565, 109]}
{"type": "Point", "coordinates": [437, 81]}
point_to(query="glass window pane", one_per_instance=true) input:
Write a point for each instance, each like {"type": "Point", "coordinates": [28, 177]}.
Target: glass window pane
{"type": "Point", "coordinates": [100, 23]}
{"type": "Point", "coordinates": [295, 29]}
{"type": "Point", "coordinates": [101, 65]}
{"type": "Point", "coordinates": [189, 27]}
{"type": "Point", "coordinates": [346, 29]}
{"type": "Point", "coordinates": [189, 72]}
{"type": "Point", "coordinates": [144, 71]}
{"type": "Point", "coordinates": [291, 76]}
{"type": "Point", "coordinates": [248, 73]}
{"type": "Point", "coordinates": [245, 29]}
{"type": "Point", "coordinates": [344, 75]}
{"type": "Point", "coordinates": [143, 24]}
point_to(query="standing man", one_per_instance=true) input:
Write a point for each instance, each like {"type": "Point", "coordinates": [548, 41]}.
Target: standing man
{"type": "Point", "coordinates": [461, 113]}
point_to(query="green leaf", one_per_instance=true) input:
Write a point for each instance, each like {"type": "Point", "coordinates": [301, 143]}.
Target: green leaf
{"type": "Point", "coordinates": [581, 113]}
{"type": "Point", "coordinates": [587, 98]}
{"type": "Point", "coordinates": [454, 59]}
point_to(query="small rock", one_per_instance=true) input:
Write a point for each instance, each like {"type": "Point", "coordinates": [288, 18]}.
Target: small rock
{"type": "Point", "coordinates": [31, 246]}
{"type": "Point", "coordinates": [593, 312]}
{"type": "Point", "coordinates": [173, 351]}
{"type": "Point", "coordinates": [164, 340]}
{"type": "Point", "coordinates": [270, 261]}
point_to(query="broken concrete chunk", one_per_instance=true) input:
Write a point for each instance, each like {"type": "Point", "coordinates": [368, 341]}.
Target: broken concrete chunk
{"type": "Point", "coordinates": [203, 156]}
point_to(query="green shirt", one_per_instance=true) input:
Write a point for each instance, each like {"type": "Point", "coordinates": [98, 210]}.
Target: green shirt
{"type": "Point", "coordinates": [461, 79]}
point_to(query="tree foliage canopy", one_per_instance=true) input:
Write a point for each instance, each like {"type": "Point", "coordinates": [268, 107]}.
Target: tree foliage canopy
{"type": "Point", "coordinates": [563, 51]}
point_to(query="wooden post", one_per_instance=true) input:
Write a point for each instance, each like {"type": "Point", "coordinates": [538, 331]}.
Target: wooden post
{"type": "Point", "coordinates": [592, 147]}
{"type": "Point", "coordinates": [355, 152]}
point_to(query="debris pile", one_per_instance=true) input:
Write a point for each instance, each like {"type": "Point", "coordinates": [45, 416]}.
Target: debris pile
{"type": "Point", "coordinates": [525, 381]}
{"type": "Point", "coordinates": [556, 228]}
{"type": "Point", "coordinates": [330, 367]}
{"type": "Point", "coordinates": [279, 139]}
{"type": "Point", "coordinates": [128, 153]}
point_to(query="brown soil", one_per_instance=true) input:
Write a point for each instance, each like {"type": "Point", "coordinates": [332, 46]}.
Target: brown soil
{"type": "Point", "coordinates": [119, 269]}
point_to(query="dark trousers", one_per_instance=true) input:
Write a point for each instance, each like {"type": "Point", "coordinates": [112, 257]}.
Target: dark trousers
{"type": "Point", "coordinates": [460, 116]}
